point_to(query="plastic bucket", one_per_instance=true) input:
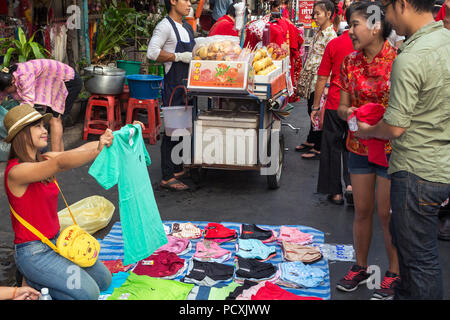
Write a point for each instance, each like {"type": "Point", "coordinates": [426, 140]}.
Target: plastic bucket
{"type": "Point", "coordinates": [144, 86]}
{"type": "Point", "coordinates": [130, 67]}
{"type": "Point", "coordinates": [177, 120]}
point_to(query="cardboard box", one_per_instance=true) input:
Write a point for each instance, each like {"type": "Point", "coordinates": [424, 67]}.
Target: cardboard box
{"type": "Point", "coordinates": [284, 64]}
{"type": "Point", "coordinates": [267, 78]}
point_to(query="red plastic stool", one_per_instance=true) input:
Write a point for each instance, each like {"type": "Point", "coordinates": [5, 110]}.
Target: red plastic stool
{"type": "Point", "coordinates": [151, 131]}
{"type": "Point", "coordinates": [92, 122]}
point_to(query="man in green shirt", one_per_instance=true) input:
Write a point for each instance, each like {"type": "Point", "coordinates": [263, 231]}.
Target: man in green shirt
{"type": "Point", "coordinates": [417, 122]}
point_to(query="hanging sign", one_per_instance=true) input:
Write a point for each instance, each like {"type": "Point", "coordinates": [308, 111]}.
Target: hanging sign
{"type": "Point", "coordinates": [305, 10]}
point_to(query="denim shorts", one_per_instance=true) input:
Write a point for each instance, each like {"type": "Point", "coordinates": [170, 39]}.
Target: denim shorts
{"type": "Point", "coordinates": [360, 165]}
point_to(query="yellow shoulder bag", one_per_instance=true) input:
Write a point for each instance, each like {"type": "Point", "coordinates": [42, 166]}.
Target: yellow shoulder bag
{"type": "Point", "coordinates": [73, 242]}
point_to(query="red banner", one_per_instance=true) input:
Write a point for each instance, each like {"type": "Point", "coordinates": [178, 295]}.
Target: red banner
{"type": "Point", "coordinates": [305, 10]}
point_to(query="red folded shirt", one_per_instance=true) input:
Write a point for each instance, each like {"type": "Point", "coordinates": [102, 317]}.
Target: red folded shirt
{"type": "Point", "coordinates": [161, 264]}
{"type": "Point", "coordinates": [274, 292]}
{"type": "Point", "coordinates": [372, 113]}
{"type": "Point", "coordinates": [219, 233]}
{"type": "Point", "coordinates": [115, 266]}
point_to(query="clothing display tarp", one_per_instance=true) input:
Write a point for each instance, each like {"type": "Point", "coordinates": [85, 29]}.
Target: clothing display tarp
{"type": "Point", "coordinates": [112, 249]}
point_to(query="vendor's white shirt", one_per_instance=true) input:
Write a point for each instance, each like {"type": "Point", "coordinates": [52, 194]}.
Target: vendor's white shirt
{"type": "Point", "coordinates": [164, 38]}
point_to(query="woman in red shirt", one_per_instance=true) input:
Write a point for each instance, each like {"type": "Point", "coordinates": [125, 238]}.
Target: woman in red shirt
{"type": "Point", "coordinates": [444, 14]}
{"type": "Point", "coordinates": [33, 194]}
{"type": "Point", "coordinates": [225, 25]}
{"type": "Point", "coordinates": [364, 79]}
{"type": "Point", "coordinates": [333, 154]}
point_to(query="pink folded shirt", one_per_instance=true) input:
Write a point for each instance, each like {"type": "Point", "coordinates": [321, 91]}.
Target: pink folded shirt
{"type": "Point", "coordinates": [292, 234]}
{"type": "Point", "coordinates": [211, 251]}
{"type": "Point", "coordinates": [175, 245]}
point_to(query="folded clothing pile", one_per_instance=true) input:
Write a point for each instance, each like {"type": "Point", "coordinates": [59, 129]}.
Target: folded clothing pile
{"type": "Point", "coordinates": [267, 290]}
{"type": "Point", "coordinates": [117, 280]}
{"type": "Point", "coordinates": [298, 275]}
{"type": "Point", "coordinates": [292, 234]}
{"type": "Point", "coordinates": [250, 290]}
{"type": "Point", "coordinates": [115, 266]}
{"type": "Point", "coordinates": [176, 245]}
{"type": "Point", "coordinates": [208, 273]}
{"type": "Point", "coordinates": [163, 264]}
{"type": "Point", "coordinates": [138, 287]}
{"type": "Point", "coordinates": [186, 230]}
{"type": "Point", "coordinates": [219, 233]}
{"type": "Point", "coordinates": [254, 270]}
{"type": "Point", "coordinates": [210, 251]}
{"type": "Point", "coordinates": [251, 231]}
{"type": "Point", "coordinates": [255, 249]}
{"type": "Point", "coordinates": [297, 252]}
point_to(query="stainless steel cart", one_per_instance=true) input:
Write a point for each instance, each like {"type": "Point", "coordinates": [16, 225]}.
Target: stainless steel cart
{"type": "Point", "coordinates": [246, 136]}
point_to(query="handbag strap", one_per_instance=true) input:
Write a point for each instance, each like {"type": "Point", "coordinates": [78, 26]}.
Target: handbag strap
{"type": "Point", "coordinates": [64, 198]}
{"type": "Point", "coordinates": [35, 231]}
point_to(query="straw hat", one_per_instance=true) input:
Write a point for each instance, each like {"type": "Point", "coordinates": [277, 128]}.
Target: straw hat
{"type": "Point", "coordinates": [19, 117]}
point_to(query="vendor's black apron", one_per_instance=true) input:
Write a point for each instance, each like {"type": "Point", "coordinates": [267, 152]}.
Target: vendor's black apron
{"type": "Point", "coordinates": [176, 76]}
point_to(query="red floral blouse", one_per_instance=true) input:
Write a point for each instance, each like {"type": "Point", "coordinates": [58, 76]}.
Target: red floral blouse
{"type": "Point", "coordinates": [367, 82]}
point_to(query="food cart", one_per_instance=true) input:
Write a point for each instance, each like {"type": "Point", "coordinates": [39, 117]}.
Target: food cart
{"type": "Point", "coordinates": [239, 130]}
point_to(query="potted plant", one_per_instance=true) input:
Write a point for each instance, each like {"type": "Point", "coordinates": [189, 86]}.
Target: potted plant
{"type": "Point", "coordinates": [123, 27]}
{"type": "Point", "coordinates": [22, 49]}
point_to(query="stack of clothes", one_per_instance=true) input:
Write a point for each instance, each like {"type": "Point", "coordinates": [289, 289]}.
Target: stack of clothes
{"type": "Point", "coordinates": [163, 264]}
{"type": "Point", "coordinates": [208, 273]}
{"type": "Point", "coordinates": [219, 233]}
{"type": "Point", "coordinates": [254, 270]}
{"type": "Point", "coordinates": [298, 275]}
{"type": "Point", "coordinates": [250, 290]}
{"type": "Point", "coordinates": [252, 231]}
{"type": "Point", "coordinates": [255, 249]}
{"type": "Point", "coordinates": [210, 251]}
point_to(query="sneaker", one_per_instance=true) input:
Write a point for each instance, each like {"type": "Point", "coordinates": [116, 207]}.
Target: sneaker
{"type": "Point", "coordinates": [356, 276]}
{"type": "Point", "coordinates": [386, 291]}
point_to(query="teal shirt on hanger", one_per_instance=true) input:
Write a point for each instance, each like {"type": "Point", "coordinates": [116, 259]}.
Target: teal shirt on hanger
{"type": "Point", "coordinates": [125, 163]}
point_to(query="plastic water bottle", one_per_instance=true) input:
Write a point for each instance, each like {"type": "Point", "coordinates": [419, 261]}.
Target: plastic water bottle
{"type": "Point", "coordinates": [45, 295]}
{"type": "Point", "coordinates": [266, 36]}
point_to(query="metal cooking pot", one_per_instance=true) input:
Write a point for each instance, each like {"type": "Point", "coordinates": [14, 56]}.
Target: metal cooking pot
{"type": "Point", "coordinates": [104, 80]}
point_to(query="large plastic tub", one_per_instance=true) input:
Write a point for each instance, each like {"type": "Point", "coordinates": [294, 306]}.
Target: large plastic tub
{"type": "Point", "coordinates": [144, 86]}
{"type": "Point", "coordinates": [177, 120]}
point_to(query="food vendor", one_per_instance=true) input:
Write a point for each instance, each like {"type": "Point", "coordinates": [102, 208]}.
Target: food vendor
{"type": "Point", "coordinates": [172, 44]}
{"type": "Point", "coordinates": [225, 25]}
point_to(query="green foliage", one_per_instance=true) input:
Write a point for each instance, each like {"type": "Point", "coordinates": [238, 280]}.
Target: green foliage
{"type": "Point", "coordinates": [21, 50]}
{"type": "Point", "coordinates": [119, 28]}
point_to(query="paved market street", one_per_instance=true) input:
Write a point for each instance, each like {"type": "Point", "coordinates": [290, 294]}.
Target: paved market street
{"type": "Point", "coordinates": [236, 196]}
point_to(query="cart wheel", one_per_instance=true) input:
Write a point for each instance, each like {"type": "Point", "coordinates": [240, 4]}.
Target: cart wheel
{"type": "Point", "coordinates": [274, 181]}
{"type": "Point", "coordinates": [197, 174]}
